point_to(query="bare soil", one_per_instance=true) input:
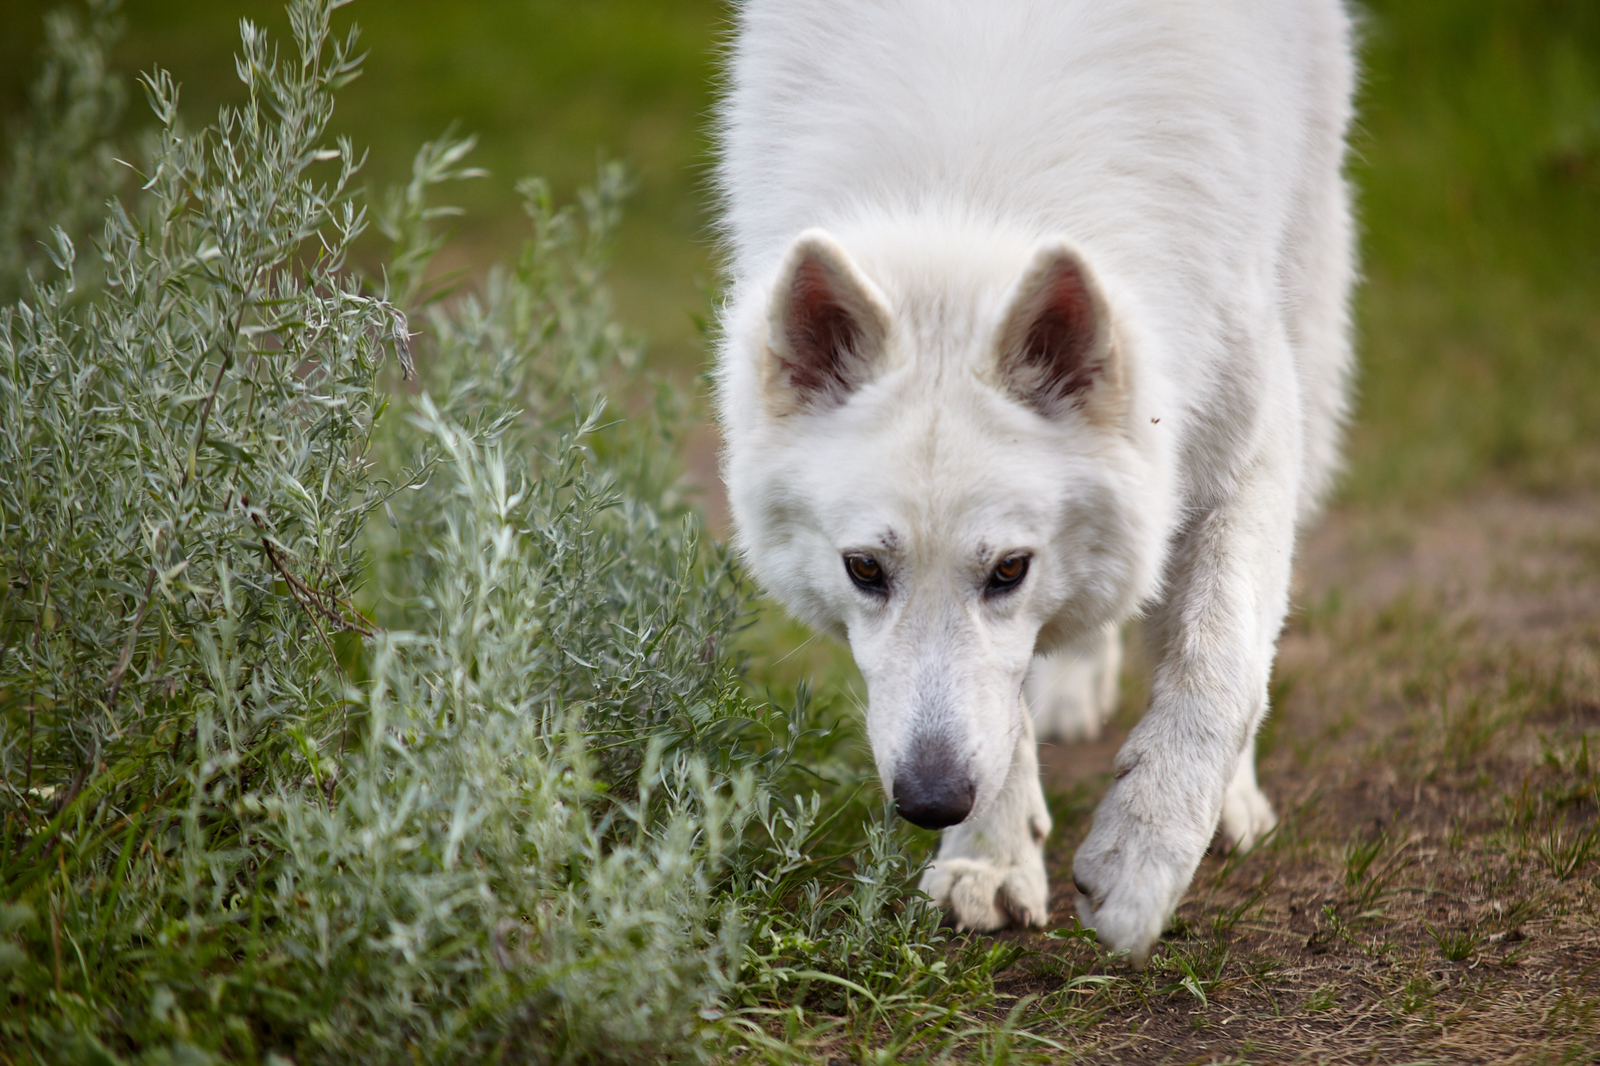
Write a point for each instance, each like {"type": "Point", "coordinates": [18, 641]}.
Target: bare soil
{"type": "Point", "coordinates": [1433, 891]}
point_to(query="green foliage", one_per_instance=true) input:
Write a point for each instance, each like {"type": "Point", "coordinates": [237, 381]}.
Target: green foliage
{"type": "Point", "coordinates": [1456, 945]}
{"type": "Point", "coordinates": [345, 719]}
{"type": "Point", "coordinates": [1478, 171]}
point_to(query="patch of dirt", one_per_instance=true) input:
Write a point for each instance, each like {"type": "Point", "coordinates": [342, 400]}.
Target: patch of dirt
{"type": "Point", "coordinates": [1433, 890]}
{"type": "Point", "coordinates": [1523, 567]}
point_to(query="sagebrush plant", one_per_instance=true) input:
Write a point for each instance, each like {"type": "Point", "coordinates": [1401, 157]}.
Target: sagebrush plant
{"type": "Point", "coordinates": [347, 718]}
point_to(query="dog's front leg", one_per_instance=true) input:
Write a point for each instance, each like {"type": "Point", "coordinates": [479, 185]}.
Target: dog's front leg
{"type": "Point", "coordinates": [1190, 759]}
{"type": "Point", "coordinates": [990, 870]}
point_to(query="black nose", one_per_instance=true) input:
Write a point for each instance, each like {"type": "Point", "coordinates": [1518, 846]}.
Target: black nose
{"type": "Point", "coordinates": [930, 791]}
{"type": "Point", "coordinates": [934, 805]}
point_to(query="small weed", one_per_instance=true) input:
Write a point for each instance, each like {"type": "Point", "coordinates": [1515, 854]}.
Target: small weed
{"type": "Point", "coordinates": [1509, 918]}
{"type": "Point", "coordinates": [1223, 919]}
{"type": "Point", "coordinates": [1567, 849]}
{"type": "Point", "coordinates": [1418, 993]}
{"type": "Point", "coordinates": [1456, 945]}
{"type": "Point", "coordinates": [1330, 927]}
{"type": "Point", "coordinates": [1470, 725]}
{"type": "Point", "coordinates": [1574, 771]}
{"type": "Point", "coordinates": [1523, 807]}
{"type": "Point", "coordinates": [1368, 879]}
{"type": "Point", "coordinates": [1201, 978]}
{"type": "Point", "coordinates": [1358, 859]}
{"type": "Point", "coordinates": [1179, 927]}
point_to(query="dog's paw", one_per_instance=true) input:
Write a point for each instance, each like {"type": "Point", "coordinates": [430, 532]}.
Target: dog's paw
{"type": "Point", "coordinates": [1131, 873]}
{"type": "Point", "coordinates": [981, 896]}
{"type": "Point", "coordinates": [1126, 900]}
{"type": "Point", "coordinates": [1247, 817]}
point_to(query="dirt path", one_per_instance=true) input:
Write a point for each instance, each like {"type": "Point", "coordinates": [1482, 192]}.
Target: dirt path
{"type": "Point", "coordinates": [1434, 754]}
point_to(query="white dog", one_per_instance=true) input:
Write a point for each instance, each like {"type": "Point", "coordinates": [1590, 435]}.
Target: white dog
{"type": "Point", "coordinates": [1037, 320]}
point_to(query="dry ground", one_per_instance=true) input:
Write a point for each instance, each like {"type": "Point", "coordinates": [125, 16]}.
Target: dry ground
{"type": "Point", "coordinates": [1433, 891]}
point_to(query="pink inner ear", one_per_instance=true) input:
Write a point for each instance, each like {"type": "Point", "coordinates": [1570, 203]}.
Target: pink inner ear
{"type": "Point", "coordinates": [822, 337]}
{"type": "Point", "coordinates": [1052, 351]}
{"type": "Point", "coordinates": [1060, 343]}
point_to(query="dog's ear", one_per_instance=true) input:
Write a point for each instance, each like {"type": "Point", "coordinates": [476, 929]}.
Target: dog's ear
{"type": "Point", "coordinates": [1054, 349]}
{"type": "Point", "coordinates": [826, 329]}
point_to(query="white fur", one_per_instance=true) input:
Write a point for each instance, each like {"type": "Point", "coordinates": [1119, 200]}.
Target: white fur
{"type": "Point", "coordinates": [934, 152]}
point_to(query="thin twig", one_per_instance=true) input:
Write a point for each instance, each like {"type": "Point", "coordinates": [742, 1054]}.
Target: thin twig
{"type": "Point", "coordinates": [315, 601]}
{"type": "Point", "coordinates": [312, 600]}
{"type": "Point", "coordinates": [205, 407]}
{"type": "Point", "coordinates": [226, 364]}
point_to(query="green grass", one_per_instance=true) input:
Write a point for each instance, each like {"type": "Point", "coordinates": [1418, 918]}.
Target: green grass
{"type": "Point", "coordinates": [1478, 169]}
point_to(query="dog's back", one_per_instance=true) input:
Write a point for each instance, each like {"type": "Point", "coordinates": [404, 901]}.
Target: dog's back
{"type": "Point", "coordinates": [1191, 148]}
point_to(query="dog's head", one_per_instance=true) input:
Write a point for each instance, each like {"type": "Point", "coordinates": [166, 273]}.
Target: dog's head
{"type": "Point", "coordinates": [929, 454]}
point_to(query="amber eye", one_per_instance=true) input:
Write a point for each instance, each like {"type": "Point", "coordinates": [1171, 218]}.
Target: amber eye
{"type": "Point", "coordinates": [865, 571]}
{"type": "Point", "coordinates": [1009, 574]}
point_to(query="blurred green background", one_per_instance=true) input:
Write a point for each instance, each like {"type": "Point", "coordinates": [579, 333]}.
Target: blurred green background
{"type": "Point", "coordinates": [1477, 161]}
{"type": "Point", "coordinates": [550, 87]}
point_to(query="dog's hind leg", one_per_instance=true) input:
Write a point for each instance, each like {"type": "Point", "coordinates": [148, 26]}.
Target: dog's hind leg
{"type": "Point", "coordinates": [990, 870]}
{"type": "Point", "coordinates": [1072, 691]}
{"type": "Point", "coordinates": [1247, 814]}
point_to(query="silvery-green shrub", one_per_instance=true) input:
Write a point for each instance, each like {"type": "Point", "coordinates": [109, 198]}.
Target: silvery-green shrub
{"type": "Point", "coordinates": [365, 691]}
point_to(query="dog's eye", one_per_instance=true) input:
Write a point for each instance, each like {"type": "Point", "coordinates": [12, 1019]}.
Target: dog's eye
{"type": "Point", "coordinates": [865, 571]}
{"type": "Point", "coordinates": [1009, 574]}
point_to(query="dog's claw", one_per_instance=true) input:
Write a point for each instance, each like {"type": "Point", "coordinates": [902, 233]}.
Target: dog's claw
{"type": "Point", "coordinates": [1019, 914]}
